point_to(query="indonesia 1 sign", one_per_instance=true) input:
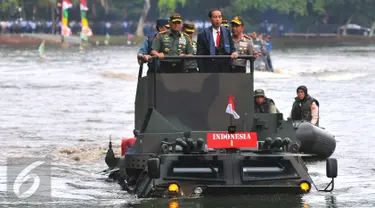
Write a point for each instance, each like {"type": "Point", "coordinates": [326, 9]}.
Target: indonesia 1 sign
{"type": "Point", "coordinates": [237, 140]}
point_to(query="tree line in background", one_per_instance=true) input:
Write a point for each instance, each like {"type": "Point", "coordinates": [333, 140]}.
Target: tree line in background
{"type": "Point", "coordinates": [303, 12]}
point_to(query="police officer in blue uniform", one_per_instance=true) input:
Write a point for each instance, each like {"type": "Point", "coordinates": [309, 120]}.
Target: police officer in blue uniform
{"type": "Point", "coordinates": [145, 50]}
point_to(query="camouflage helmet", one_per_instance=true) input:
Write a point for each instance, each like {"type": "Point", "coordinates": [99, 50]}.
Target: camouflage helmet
{"type": "Point", "coordinates": [259, 93]}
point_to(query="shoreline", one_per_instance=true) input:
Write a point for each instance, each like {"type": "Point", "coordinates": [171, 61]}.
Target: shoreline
{"type": "Point", "coordinates": [289, 40]}
{"type": "Point", "coordinates": [302, 39]}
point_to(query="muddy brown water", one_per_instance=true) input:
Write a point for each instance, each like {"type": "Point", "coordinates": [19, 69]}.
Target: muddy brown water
{"type": "Point", "coordinates": [67, 105]}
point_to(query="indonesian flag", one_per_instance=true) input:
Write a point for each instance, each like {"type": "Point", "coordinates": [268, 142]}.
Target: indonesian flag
{"type": "Point", "coordinates": [230, 108]}
{"type": "Point", "coordinates": [67, 4]}
{"type": "Point", "coordinates": [83, 6]}
{"type": "Point", "coordinates": [65, 30]}
{"type": "Point", "coordinates": [86, 31]}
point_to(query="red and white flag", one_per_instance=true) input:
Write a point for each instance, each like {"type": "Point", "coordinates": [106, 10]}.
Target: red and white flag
{"type": "Point", "coordinates": [66, 4]}
{"type": "Point", "coordinates": [230, 108]}
{"type": "Point", "coordinates": [83, 6]}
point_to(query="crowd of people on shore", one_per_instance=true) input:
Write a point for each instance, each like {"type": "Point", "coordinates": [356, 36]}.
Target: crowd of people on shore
{"type": "Point", "coordinates": [17, 26]}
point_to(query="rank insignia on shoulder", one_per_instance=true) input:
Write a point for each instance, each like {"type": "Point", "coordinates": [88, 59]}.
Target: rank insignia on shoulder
{"type": "Point", "coordinates": [248, 37]}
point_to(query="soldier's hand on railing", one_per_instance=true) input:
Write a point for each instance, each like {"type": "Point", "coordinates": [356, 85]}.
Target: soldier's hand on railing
{"type": "Point", "coordinates": [160, 56]}
{"type": "Point", "coordinates": [234, 55]}
{"type": "Point", "coordinates": [140, 58]}
{"type": "Point", "coordinates": [147, 58]}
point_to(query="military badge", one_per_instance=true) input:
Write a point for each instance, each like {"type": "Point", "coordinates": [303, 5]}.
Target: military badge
{"type": "Point", "coordinates": [166, 50]}
{"type": "Point", "coordinates": [182, 41]}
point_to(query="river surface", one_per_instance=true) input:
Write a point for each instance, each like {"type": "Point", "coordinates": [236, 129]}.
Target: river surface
{"type": "Point", "coordinates": [67, 105]}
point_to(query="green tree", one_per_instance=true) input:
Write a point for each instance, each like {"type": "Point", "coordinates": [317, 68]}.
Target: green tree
{"type": "Point", "coordinates": [8, 8]}
{"type": "Point", "coordinates": [360, 11]}
{"type": "Point", "coordinates": [165, 6]}
{"type": "Point", "coordinates": [142, 18]}
{"type": "Point", "coordinates": [284, 6]}
{"type": "Point", "coordinates": [169, 6]}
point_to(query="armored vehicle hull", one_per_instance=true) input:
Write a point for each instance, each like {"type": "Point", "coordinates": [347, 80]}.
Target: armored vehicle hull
{"type": "Point", "coordinates": [191, 140]}
{"type": "Point", "coordinates": [170, 175]}
{"type": "Point", "coordinates": [280, 200]}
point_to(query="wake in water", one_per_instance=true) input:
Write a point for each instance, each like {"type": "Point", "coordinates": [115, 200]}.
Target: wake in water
{"type": "Point", "coordinates": [341, 76]}
{"type": "Point", "coordinates": [87, 153]}
{"type": "Point", "coordinates": [278, 73]}
{"type": "Point", "coordinates": [122, 76]}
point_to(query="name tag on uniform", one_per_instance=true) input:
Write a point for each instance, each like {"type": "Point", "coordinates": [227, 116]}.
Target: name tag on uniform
{"type": "Point", "coordinates": [243, 44]}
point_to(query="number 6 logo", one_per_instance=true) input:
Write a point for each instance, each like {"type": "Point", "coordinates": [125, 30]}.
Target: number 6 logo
{"type": "Point", "coordinates": [22, 177]}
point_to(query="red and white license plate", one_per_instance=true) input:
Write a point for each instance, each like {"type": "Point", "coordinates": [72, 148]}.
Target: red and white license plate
{"type": "Point", "coordinates": [236, 140]}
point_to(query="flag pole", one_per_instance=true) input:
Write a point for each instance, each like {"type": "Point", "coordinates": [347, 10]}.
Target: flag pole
{"type": "Point", "coordinates": [230, 119]}
{"type": "Point", "coordinates": [231, 110]}
{"type": "Point", "coordinates": [62, 21]}
{"type": "Point", "coordinates": [231, 116]}
{"type": "Point", "coordinates": [244, 122]}
{"type": "Point", "coordinates": [230, 127]}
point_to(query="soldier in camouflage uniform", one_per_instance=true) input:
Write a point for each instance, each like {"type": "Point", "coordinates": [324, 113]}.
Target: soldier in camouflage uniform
{"type": "Point", "coordinates": [263, 104]}
{"type": "Point", "coordinates": [172, 43]}
{"type": "Point", "coordinates": [243, 44]}
{"type": "Point", "coordinates": [189, 29]}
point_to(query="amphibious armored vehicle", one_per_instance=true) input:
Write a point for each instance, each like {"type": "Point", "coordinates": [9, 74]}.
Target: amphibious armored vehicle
{"type": "Point", "coordinates": [186, 142]}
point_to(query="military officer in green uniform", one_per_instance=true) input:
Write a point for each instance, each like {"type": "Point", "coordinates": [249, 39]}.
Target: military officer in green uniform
{"type": "Point", "coordinates": [243, 44]}
{"type": "Point", "coordinates": [189, 29]}
{"type": "Point", "coordinates": [262, 104]}
{"type": "Point", "coordinates": [172, 43]}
